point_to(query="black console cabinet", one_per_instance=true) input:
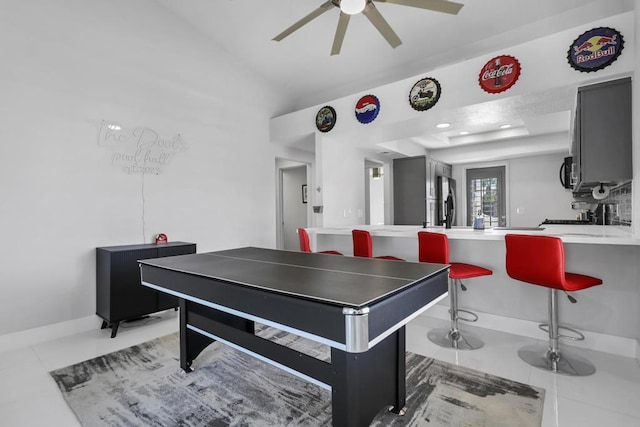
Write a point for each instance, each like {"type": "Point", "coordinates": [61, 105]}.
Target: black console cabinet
{"type": "Point", "coordinates": [119, 294]}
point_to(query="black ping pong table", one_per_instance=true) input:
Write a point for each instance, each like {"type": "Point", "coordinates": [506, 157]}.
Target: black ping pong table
{"type": "Point", "coordinates": [357, 306]}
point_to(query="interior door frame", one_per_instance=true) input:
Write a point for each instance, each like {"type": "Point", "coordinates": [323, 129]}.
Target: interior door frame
{"type": "Point", "coordinates": [281, 166]}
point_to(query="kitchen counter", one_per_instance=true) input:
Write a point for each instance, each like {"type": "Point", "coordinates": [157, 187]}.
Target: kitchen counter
{"type": "Point", "coordinates": [585, 234]}
{"type": "Point", "coordinates": [607, 314]}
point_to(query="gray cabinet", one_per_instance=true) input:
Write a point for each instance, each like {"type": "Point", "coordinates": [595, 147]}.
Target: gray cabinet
{"type": "Point", "coordinates": [414, 190]}
{"type": "Point", "coordinates": [409, 191]}
{"type": "Point", "coordinates": [602, 135]}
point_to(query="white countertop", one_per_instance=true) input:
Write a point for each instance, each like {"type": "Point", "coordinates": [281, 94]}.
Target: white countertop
{"type": "Point", "coordinates": [584, 234]}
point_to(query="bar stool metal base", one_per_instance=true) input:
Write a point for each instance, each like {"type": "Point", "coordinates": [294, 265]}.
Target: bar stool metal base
{"type": "Point", "coordinates": [550, 358]}
{"type": "Point", "coordinates": [451, 337]}
{"type": "Point", "coordinates": [456, 340]}
{"type": "Point", "coordinates": [568, 363]}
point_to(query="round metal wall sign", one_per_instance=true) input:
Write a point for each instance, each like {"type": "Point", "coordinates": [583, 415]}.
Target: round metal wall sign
{"type": "Point", "coordinates": [499, 74]}
{"type": "Point", "coordinates": [595, 49]}
{"type": "Point", "coordinates": [367, 109]}
{"type": "Point", "coordinates": [424, 94]}
{"type": "Point", "coordinates": [326, 119]}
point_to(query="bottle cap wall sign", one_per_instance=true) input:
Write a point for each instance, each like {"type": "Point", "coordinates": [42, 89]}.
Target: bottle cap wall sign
{"type": "Point", "coordinates": [367, 109]}
{"type": "Point", "coordinates": [499, 74]}
{"type": "Point", "coordinates": [424, 94]}
{"type": "Point", "coordinates": [326, 119]}
{"type": "Point", "coordinates": [595, 49]}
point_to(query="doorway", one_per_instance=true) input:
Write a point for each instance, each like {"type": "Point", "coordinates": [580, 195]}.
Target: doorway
{"type": "Point", "coordinates": [293, 204]}
{"type": "Point", "coordinates": [486, 195]}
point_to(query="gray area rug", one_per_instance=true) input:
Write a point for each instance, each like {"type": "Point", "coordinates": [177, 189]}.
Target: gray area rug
{"type": "Point", "coordinates": [143, 385]}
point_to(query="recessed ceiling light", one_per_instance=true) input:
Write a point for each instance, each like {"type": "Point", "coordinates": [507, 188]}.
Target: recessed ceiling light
{"type": "Point", "coordinates": [114, 126]}
{"type": "Point", "coordinates": [505, 126]}
{"type": "Point", "coordinates": [464, 132]}
{"type": "Point", "coordinates": [443, 125]}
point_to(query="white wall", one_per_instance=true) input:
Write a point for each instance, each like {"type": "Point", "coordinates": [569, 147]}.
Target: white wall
{"type": "Point", "coordinates": [67, 66]}
{"type": "Point", "coordinates": [341, 174]}
{"type": "Point", "coordinates": [535, 192]}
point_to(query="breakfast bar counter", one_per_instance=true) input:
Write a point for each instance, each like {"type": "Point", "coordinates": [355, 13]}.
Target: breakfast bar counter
{"type": "Point", "coordinates": [607, 314]}
{"type": "Point", "coordinates": [584, 234]}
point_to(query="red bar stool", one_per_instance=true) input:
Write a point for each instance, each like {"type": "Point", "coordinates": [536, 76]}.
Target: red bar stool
{"type": "Point", "coordinates": [303, 237]}
{"type": "Point", "coordinates": [434, 247]}
{"type": "Point", "coordinates": [540, 260]}
{"type": "Point", "coordinates": [363, 247]}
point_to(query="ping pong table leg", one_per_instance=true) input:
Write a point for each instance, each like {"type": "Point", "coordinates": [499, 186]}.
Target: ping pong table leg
{"type": "Point", "coordinates": [367, 383]}
{"type": "Point", "coordinates": [399, 406]}
{"type": "Point", "coordinates": [191, 342]}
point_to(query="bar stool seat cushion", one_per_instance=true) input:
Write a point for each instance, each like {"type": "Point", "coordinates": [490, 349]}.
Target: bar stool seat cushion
{"type": "Point", "coordinates": [330, 252]}
{"type": "Point", "coordinates": [460, 270]}
{"type": "Point", "coordinates": [390, 257]}
{"type": "Point", "coordinates": [575, 282]}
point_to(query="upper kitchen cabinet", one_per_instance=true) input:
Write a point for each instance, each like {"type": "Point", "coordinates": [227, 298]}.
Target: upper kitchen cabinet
{"type": "Point", "coordinates": [602, 135]}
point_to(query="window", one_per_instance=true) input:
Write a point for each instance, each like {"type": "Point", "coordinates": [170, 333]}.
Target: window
{"type": "Point", "coordinates": [486, 196]}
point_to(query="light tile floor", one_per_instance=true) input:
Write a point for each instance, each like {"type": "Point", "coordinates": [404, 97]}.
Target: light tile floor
{"type": "Point", "coordinates": [610, 397]}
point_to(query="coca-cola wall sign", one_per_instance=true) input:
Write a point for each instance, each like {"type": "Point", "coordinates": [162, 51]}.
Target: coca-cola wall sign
{"type": "Point", "coordinates": [499, 74]}
{"type": "Point", "coordinates": [595, 49]}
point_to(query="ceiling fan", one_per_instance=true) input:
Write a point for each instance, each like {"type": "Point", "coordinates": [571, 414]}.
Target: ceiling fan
{"type": "Point", "coordinates": [366, 7]}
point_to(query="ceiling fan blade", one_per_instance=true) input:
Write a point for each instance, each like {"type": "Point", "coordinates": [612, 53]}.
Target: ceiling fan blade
{"type": "Point", "coordinates": [372, 13]}
{"type": "Point", "coordinates": [319, 11]}
{"type": "Point", "coordinates": [435, 5]}
{"type": "Point", "coordinates": [340, 32]}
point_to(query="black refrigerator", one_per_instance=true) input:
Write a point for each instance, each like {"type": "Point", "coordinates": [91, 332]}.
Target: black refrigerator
{"type": "Point", "coordinates": [445, 200]}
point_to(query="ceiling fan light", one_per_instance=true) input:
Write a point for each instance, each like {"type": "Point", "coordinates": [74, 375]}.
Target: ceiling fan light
{"type": "Point", "coordinates": [352, 7]}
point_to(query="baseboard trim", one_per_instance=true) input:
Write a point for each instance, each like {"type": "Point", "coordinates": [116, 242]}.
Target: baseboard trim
{"type": "Point", "coordinates": [621, 346]}
{"type": "Point", "coordinates": [29, 337]}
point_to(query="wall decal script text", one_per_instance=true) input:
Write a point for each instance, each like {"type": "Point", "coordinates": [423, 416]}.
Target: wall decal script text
{"type": "Point", "coordinates": [139, 150]}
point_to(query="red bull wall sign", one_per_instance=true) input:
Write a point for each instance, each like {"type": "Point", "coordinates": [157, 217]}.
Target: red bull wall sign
{"type": "Point", "coordinates": [499, 74]}
{"type": "Point", "coordinates": [595, 49]}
